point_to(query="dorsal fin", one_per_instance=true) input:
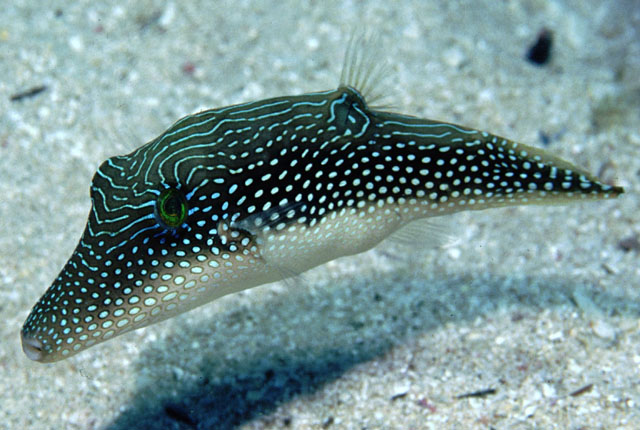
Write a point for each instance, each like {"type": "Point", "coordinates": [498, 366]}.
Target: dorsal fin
{"type": "Point", "coordinates": [365, 68]}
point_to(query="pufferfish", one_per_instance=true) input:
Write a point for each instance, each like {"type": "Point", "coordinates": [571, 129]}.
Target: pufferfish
{"type": "Point", "coordinates": [231, 198]}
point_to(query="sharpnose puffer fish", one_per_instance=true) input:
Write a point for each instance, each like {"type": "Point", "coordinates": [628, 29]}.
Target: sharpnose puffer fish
{"type": "Point", "coordinates": [232, 198]}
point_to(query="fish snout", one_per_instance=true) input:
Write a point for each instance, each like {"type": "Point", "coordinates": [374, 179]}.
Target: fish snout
{"type": "Point", "coordinates": [32, 347]}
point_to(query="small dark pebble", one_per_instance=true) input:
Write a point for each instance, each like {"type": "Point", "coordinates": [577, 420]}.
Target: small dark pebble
{"type": "Point", "coordinates": [581, 391]}
{"type": "Point", "coordinates": [286, 421]}
{"type": "Point", "coordinates": [517, 316]}
{"type": "Point", "coordinates": [630, 243]}
{"type": "Point", "coordinates": [327, 422]}
{"type": "Point", "coordinates": [269, 374]}
{"type": "Point", "coordinates": [540, 52]}
{"type": "Point", "coordinates": [149, 19]}
{"type": "Point", "coordinates": [479, 393]}
{"type": "Point", "coordinates": [188, 68]}
{"type": "Point", "coordinates": [177, 412]}
{"type": "Point", "coordinates": [425, 404]}
{"type": "Point", "coordinates": [548, 138]}
{"type": "Point", "coordinates": [399, 395]}
{"type": "Point", "coordinates": [31, 92]}
{"type": "Point", "coordinates": [545, 139]}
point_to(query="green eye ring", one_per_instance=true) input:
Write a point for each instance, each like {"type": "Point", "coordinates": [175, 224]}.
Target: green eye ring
{"type": "Point", "coordinates": [171, 208]}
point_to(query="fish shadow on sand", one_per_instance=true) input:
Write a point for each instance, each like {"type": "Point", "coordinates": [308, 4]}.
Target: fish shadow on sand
{"type": "Point", "coordinates": [281, 346]}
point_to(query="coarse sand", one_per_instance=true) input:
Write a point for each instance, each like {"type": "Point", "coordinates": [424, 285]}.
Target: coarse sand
{"type": "Point", "coordinates": [526, 318]}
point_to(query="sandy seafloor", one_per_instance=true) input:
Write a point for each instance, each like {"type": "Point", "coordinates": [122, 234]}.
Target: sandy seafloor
{"type": "Point", "coordinates": [535, 303]}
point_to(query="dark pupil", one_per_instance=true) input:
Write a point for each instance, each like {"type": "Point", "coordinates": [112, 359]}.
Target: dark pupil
{"type": "Point", "coordinates": [172, 206]}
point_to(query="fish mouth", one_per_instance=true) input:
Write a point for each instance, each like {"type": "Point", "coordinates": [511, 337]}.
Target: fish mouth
{"type": "Point", "coordinates": [32, 347]}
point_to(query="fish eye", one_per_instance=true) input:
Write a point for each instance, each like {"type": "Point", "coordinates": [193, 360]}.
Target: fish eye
{"type": "Point", "coordinates": [171, 208]}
